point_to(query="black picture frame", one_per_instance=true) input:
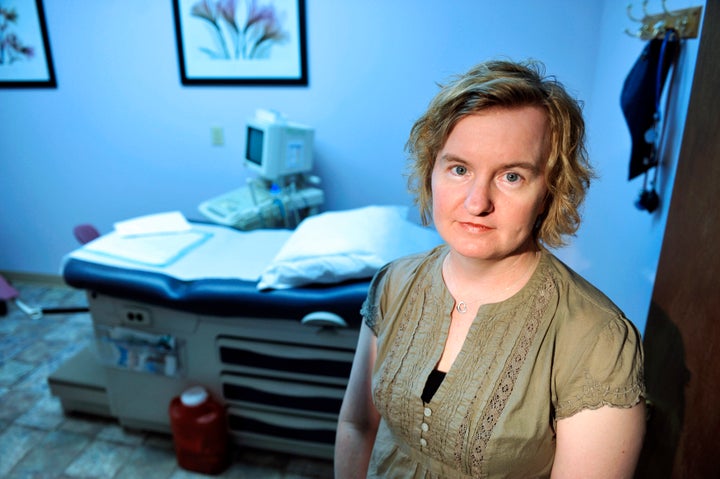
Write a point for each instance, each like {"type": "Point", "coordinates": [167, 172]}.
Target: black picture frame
{"type": "Point", "coordinates": [25, 56]}
{"type": "Point", "coordinates": [266, 45]}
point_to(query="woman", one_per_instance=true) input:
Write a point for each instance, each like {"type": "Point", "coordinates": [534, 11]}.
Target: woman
{"type": "Point", "coordinates": [487, 356]}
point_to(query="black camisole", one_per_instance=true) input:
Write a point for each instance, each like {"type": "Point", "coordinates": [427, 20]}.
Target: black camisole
{"type": "Point", "coordinates": [433, 383]}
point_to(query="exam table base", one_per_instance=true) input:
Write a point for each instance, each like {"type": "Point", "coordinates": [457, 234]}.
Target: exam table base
{"type": "Point", "coordinates": [81, 386]}
{"type": "Point", "coordinates": [282, 382]}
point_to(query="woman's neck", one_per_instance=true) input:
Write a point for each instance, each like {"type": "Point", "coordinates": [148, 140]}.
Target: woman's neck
{"type": "Point", "coordinates": [475, 282]}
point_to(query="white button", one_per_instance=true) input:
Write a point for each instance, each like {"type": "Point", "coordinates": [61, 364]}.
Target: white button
{"type": "Point", "coordinates": [428, 412]}
{"type": "Point", "coordinates": [424, 427]}
{"type": "Point", "coordinates": [423, 442]}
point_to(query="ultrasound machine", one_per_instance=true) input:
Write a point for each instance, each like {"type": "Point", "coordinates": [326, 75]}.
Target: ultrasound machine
{"type": "Point", "coordinates": [283, 194]}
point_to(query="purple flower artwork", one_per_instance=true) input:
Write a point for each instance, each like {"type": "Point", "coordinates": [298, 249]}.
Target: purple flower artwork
{"type": "Point", "coordinates": [12, 48]}
{"type": "Point", "coordinates": [241, 42]}
{"type": "Point", "coordinates": [240, 33]}
{"type": "Point", "coordinates": [25, 58]}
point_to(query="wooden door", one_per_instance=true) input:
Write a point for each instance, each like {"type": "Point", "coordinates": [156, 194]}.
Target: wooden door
{"type": "Point", "coordinates": [682, 336]}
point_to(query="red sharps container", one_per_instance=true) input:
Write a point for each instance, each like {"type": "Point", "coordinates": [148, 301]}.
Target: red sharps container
{"type": "Point", "coordinates": [199, 432]}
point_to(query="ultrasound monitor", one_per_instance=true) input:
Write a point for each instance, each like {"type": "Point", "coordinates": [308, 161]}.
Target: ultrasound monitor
{"type": "Point", "coordinates": [276, 148]}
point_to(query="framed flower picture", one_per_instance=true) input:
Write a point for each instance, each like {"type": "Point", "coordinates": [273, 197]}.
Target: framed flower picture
{"type": "Point", "coordinates": [241, 42]}
{"type": "Point", "coordinates": [25, 59]}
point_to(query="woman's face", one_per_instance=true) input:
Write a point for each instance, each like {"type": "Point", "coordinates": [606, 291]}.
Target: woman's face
{"type": "Point", "coordinates": [488, 182]}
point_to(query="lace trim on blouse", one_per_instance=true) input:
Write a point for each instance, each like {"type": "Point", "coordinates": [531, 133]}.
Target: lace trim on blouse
{"type": "Point", "coordinates": [504, 387]}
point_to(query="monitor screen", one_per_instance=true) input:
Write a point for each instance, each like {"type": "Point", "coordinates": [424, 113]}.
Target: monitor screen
{"type": "Point", "coordinates": [276, 150]}
{"type": "Point", "coordinates": [254, 146]}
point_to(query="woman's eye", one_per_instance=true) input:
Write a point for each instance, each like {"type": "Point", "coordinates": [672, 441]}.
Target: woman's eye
{"type": "Point", "coordinates": [459, 170]}
{"type": "Point", "coordinates": [512, 177]}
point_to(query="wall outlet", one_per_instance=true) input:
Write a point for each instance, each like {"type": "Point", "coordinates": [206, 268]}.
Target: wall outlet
{"type": "Point", "coordinates": [217, 136]}
{"type": "Point", "coordinates": [135, 316]}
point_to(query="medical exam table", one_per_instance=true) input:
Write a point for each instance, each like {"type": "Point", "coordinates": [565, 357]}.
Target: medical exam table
{"type": "Point", "coordinates": [187, 311]}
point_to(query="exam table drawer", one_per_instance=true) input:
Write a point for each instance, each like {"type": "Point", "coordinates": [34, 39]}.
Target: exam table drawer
{"type": "Point", "coordinates": [283, 432]}
{"type": "Point", "coordinates": [286, 360]}
{"type": "Point", "coordinates": [283, 396]}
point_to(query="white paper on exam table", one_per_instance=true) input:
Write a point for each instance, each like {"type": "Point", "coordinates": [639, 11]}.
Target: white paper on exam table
{"type": "Point", "coordinates": [217, 252]}
{"type": "Point", "coordinates": [170, 222]}
{"type": "Point", "coordinates": [157, 249]}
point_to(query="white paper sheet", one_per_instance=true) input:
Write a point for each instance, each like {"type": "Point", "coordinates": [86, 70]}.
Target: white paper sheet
{"type": "Point", "coordinates": [158, 249]}
{"type": "Point", "coordinates": [170, 222]}
{"type": "Point", "coordinates": [226, 253]}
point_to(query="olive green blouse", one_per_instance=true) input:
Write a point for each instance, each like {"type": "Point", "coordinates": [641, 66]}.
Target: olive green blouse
{"type": "Point", "coordinates": [556, 347]}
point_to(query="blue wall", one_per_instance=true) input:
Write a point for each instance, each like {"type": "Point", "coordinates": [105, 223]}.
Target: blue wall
{"type": "Point", "coordinates": [120, 137]}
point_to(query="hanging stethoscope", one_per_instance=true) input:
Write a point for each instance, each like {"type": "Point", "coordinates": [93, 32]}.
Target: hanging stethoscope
{"type": "Point", "coordinates": [640, 100]}
{"type": "Point", "coordinates": [649, 200]}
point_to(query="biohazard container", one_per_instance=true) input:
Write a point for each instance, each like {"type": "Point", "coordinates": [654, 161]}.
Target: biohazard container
{"type": "Point", "coordinates": [199, 432]}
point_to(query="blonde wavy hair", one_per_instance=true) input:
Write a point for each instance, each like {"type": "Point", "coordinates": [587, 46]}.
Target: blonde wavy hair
{"type": "Point", "coordinates": [509, 84]}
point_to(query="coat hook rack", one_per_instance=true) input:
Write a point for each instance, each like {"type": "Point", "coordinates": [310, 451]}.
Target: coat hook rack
{"type": "Point", "coordinates": [685, 22]}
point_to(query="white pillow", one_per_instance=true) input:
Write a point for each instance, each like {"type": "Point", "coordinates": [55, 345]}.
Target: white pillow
{"type": "Point", "coordinates": [350, 244]}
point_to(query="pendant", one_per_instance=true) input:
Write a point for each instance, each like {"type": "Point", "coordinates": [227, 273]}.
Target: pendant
{"type": "Point", "coordinates": [461, 307]}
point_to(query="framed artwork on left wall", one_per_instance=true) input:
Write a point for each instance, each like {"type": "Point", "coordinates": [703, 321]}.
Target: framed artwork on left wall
{"type": "Point", "coordinates": [241, 42]}
{"type": "Point", "coordinates": [25, 58]}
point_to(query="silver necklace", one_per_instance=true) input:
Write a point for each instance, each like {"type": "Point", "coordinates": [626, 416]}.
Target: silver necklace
{"type": "Point", "coordinates": [462, 307]}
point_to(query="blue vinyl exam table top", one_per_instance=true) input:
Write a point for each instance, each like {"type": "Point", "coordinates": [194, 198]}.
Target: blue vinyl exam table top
{"type": "Point", "coordinates": [218, 296]}
{"type": "Point", "coordinates": [205, 271]}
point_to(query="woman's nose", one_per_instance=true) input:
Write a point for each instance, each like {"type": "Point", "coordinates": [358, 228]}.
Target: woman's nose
{"type": "Point", "coordinates": [478, 200]}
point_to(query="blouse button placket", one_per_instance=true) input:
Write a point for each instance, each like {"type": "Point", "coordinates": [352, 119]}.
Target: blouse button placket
{"type": "Point", "coordinates": [424, 427]}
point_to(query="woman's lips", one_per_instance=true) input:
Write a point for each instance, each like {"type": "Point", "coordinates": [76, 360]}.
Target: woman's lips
{"type": "Point", "coordinates": [475, 227]}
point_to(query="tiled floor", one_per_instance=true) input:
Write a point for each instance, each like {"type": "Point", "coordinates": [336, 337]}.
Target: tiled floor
{"type": "Point", "coordinates": [37, 440]}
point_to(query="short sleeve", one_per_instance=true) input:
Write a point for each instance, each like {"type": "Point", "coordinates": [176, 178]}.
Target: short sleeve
{"type": "Point", "coordinates": [603, 368]}
{"type": "Point", "coordinates": [371, 309]}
